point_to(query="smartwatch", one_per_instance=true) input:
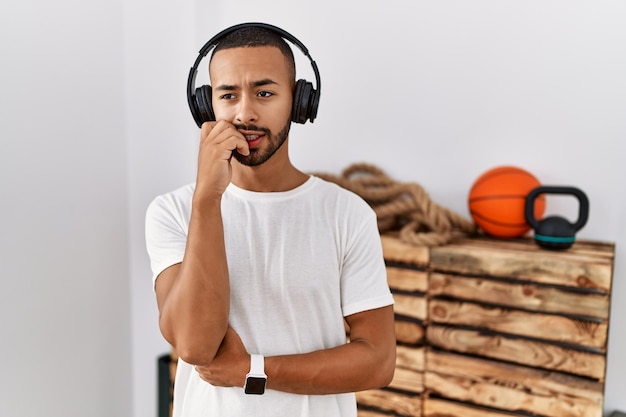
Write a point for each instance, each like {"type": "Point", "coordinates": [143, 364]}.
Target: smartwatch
{"type": "Point", "coordinates": [256, 378]}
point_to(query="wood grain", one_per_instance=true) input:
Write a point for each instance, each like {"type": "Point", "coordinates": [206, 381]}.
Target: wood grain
{"type": "Point", "coordinates": [387, 401]}
{"type": "Point", "coordinates": [408, 380]}
{"type": "Point", "coordinates": [395, 250]}
{"type": "Point", "coordinates": [404, 279]}
{"type": "Point", "coordinates": [409, 332]}
{"type": "Point", "coordinates": [434, 407]}
{"type": "Point", "coordinates": [410, 306]}
{"type": "Point", "coordinates": [511, 387]}
{"type": "Point", "coordinates": [521, 351]}
{"type": "Point", "coordinates": [526, 296]}
{"type": "Point", "coordinates": [542, 326]}
{"type": "Point", "coordinates": [410, 358]}
{"type": "Point", "coordinates": [524, 262]}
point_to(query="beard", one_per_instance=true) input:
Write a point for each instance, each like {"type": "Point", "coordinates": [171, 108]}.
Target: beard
{"type": "Point", "coordinates": [259, 156]}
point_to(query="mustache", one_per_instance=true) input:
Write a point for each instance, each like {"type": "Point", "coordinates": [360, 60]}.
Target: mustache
{"type": "Point", "coordinates": [253, 128]}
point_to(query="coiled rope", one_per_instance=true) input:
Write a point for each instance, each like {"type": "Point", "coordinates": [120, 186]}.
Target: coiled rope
{"type": "Point", "coordinates": [402, 208]}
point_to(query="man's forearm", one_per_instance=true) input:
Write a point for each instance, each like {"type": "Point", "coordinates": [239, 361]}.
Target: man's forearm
{"type": "Point", "coordinates": [194, 315]}
{"type": "Point", "coordinates": [368, 361]}
{"type": "Point", "coordinates": [352, 367]}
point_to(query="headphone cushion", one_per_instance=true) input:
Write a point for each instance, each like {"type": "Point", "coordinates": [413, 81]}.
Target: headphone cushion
{"type": "Point", "coordinates": [204, 104]}
{"type": "Point", "coordinates": [301, 108]}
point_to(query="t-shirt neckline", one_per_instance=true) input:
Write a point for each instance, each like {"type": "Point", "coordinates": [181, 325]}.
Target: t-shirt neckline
{"type": "Point", "coordinates": [276, 195]}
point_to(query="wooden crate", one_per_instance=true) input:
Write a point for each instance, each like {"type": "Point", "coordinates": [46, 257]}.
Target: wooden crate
{"type": "Point", "coordinates": [500, 327]}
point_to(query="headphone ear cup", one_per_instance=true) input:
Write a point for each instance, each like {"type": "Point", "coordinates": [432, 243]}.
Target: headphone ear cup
{"type": "Point", "coordinates": [313, 105]}
{"type": "Point", "coordinates": [301, 109]}
{"type": "Point", "coordinates": [195, 112]}
{"type": "Point", "coordinates": [204, 104]}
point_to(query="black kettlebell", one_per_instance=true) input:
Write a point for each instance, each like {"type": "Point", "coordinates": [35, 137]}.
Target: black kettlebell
{"type": "Point", "coordinates": [554, 232]}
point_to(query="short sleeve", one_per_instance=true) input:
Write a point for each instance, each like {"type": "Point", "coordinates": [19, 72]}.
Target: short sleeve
{"type": "Point", "coordinates": [166, 228]}
{"type": "Point", "coordinates": [364, 278]}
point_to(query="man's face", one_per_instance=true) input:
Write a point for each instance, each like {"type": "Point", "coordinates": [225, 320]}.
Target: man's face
{"type": "Point", "coordinates": [253, 89]}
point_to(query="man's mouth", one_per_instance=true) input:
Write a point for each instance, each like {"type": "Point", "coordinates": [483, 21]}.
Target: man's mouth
{"type": "Point", "coordinates": [253, 138]}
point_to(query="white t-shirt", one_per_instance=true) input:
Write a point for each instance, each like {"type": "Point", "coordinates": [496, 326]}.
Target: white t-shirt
{"type": "Point", "coordinates": [299, 261]}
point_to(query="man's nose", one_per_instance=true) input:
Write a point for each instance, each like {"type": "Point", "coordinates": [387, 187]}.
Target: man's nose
{"type": "Point", "coordinates": [246, 110]}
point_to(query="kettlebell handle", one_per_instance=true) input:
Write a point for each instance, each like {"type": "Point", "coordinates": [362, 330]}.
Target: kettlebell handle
{"type": "Point", "coordinates": [583, 210]}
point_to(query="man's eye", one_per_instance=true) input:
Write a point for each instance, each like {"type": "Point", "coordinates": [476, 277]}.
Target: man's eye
{"type": "Point", "coordinates": [227, 96]}
{"type": "Point", "coordinates": [264, 94]}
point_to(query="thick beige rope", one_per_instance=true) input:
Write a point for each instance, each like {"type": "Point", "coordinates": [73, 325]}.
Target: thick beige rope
{"type": "Point", "coordinates": [404, 208]}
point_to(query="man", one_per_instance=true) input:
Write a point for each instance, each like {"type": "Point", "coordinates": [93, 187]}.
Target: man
{"type": "Point", "coordinates": [257, 264]}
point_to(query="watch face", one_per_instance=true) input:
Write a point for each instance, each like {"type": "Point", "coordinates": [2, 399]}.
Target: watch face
{"type": "Point", "coordinates": [255, 385]}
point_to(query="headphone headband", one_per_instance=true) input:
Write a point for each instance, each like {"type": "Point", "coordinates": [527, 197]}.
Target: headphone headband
{"type": "Point", "coordinates": [310, 105]}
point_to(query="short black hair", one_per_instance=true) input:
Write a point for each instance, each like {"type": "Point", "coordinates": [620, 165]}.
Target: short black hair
{"type": "Point", "coordinates": [254, 36]}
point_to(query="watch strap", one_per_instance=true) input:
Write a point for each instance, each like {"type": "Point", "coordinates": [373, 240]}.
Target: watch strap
{"type": "Point", "coordinates": [257, 365]}
{"type": "Point", "coordinates": [256, 378]}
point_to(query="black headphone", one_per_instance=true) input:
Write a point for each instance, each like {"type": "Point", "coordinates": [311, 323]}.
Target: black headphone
{"type": "Point", "coordinates": [305, 98]}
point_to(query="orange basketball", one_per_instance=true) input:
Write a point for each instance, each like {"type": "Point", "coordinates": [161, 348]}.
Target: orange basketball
{"type": "Point", "coordinates": [497, 200]}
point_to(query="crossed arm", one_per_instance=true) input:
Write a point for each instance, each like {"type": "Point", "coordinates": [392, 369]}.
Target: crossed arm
{"type": "Point", "coordinates": [368, 361]}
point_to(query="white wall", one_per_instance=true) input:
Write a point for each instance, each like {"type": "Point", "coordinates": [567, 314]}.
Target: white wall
{"type": "Point", "coordinates": [437, 92]}
{"type": "Point", "coordinates": [161, 139]}
{"type": "Point", "coordinates": [94, 124]}
{"type": "Point", "coordinates": [64, 299]}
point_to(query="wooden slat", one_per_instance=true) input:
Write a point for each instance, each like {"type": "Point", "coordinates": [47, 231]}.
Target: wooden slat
{"type": "Point", "coordinates": [395, 250]}
{"type": "Point", "coordinates": [435, 407]}
{"type": "Point", "coordinates": [371, 413]}
{"type": "Point", "coordinates": [594, 248]}
{"type": "Point", "coordinates": [526, 296]}
{"type": "Point", "coordinates": [387, 401]}
{"type": "Point", "coordinates": [581, 247]}
{"type": "Point", "coordinates": [409, 372]}
{"type": "Point", "coordinates": [408, 380]}
{"type": "Point", "coordinates": [410, 358]}
{"type": "Point", "coordinates": [407, 279]}
{"type": "Point", "coordinates": [524, 352]}
{"type": "Point", "coordinates": [410, 306]}
{"type": "Point", "coordinates": [511, 387]}
{"type": "Point", "coordinates": [409, 332]}
{"type": "Point", "coordinates": [529, 264]}
{"type": "Point", "coordinates": [535, 325]}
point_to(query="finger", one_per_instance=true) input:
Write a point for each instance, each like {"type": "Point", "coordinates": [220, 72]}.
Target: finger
{"type": "Point", "coordinates": [243, 148]}
{"type": "Point", "coordinates": [206, 128]}
{"type": "Point", "coordinates": [211, 131]}
{"type": "Point", "coordinates": [233, 140]}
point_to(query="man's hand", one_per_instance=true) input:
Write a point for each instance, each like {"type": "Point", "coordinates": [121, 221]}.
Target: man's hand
{"type": "Point", "coordinates": [230, 365]}
{"type": "Point", "coordinates": [194, 296]}
{"type": "Point", "coordinates": [218, 141]}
